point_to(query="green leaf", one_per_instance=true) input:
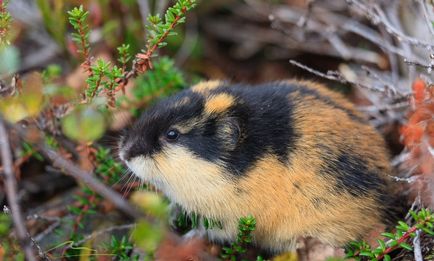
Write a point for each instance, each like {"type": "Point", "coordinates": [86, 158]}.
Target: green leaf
{"type": "Point", "coordinates": [403, 225]}
{"type": "Point", "coordinates": [388, 235]}
{"type": "Point", "coordinates": [366, 253]}
{"type": "Point", "coordinates": [381, 244]}
{"type": "Point", "coordinates": [84, 124]}
{"type": "Point", "coordinates": [406, 246]}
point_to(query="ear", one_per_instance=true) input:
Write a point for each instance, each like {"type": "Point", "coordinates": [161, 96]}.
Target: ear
{"type": "Point", "coordinates": [229, 131]}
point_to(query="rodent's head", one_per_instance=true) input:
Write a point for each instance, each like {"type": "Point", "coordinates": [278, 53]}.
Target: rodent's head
{"type": "Point", "coordinates": [183, 140]}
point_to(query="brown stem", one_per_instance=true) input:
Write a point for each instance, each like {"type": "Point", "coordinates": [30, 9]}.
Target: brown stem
{"type": "Point", "coordinates": [83, 41]}
{"type": "Point", "coordinates": [11, 192]}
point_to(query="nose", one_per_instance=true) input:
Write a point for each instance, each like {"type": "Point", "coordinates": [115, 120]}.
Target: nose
{"type": "Point", "coordinates": [135, 146]}
{"type": "Point", "coordinates": [131, 151]}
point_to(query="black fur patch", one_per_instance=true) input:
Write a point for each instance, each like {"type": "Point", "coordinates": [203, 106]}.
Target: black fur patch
{"type": "Point", "coordinates": [204, 141]}
{"type": "Point", "coordinates": [325, 99]}
{"type": "Point", "coordinates": [352, 175]}
{"type": "Point", "coordinates": [146, 133]}
{"type": "Point", "coordinates": [264, 115]}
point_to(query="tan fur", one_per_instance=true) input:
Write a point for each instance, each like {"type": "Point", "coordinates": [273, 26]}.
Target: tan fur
{"type": "Point", "coordinates": [206, 86]}
{"type": "Point", "coordinates": [294, 213]}
{"type": "Point", "coordinates": [218, 103]}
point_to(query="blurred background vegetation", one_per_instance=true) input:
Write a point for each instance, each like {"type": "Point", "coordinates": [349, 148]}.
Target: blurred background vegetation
{"type": "Point", "coordinates": [72, 79]}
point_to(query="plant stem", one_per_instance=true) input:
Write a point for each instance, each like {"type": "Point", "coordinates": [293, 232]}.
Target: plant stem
{"type": "Point", "coordinates": [402, 239]}
{"type": "Point", "coordinates": [11, 192]}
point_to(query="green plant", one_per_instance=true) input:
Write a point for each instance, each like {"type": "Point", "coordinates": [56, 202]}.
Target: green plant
{"type": "Point", "coordinates": [186, 221]}
{"type": "Point", "coordinates": [107, 167]}
{"type": "Point", "coordinates": [246, 226]}
{"type": "Point", "coordinates": [5, 23]}
{"type": "Point", "coordinates": [121, 249]}
{"type": "Point", "coordinates": [29, 151]}
{"type": "Point", "coordinates": [424, 221]}
{"type": "Point", "coordinates": [9, 248]}
{"type": "Point", "coordinates": [158, 29]}
{"type": "Point", "coordinates": [78, 19]}
{"type": "Point", "coordinates": [163, 80]}
{"type": "Point", "coordinates": [115, 78]}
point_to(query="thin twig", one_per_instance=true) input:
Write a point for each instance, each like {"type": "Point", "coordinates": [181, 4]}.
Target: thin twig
{"type": "Point", "coordinates": [88, 178]}
{"type": "Point", "coordinates": [11, 192]}
{"type": "Point", "coordinates": [429, 24]}
{"type": "Point", "coordinates": [429, 67]}
{"type": "Point", "coordinates": [335, 76]}
{"type": "Point", "coordinates": [41, 253]}
{"type": "Point", "coordinates": [417, 250]}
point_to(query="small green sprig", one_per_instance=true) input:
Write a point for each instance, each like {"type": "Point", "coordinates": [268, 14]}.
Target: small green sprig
{"type": "Point", "coordinates": [5, 22]}
{"type": "Point", "coordinates": [158, 29]}
{"type": "Point", "coordinates": [77, 18]}
{"type": "Point", "coordinates": [121, 249]}
{"type": "Point", "coordinates": [424, 221]}
{"type": "Point", "coordinates": [99, 70]}
{"type": "Point", "coordinates": [163, 80]}
{"type": "Point", "coordinates": [246, 226]}
{"type": "Point", "coordinates": [30, 151]}
{"type": "Point", "coordinates": [103, 75]}
{"type": "Point", "coordinates": [186, 221]}
{"type": "Point", "coordinates": [124, 55]}
{"type": "Point", "coordinates": [107, 167]}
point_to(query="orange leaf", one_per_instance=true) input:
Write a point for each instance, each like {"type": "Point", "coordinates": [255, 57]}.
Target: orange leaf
{"type": "Point", "coordinates": [419, 90]}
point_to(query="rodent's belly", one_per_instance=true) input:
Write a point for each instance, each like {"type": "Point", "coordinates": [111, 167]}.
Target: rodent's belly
{"type": "Point", "coordinates": [284, 215]}
{"type": "Point", "coordinates": [278, 229]}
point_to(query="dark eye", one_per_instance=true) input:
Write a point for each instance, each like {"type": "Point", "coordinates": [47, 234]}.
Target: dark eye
{"type": "Point", "coordinates": [172, 135]}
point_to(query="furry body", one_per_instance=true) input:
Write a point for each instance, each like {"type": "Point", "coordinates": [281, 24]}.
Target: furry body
{"type": "Point", "coordinates": [295, 155]}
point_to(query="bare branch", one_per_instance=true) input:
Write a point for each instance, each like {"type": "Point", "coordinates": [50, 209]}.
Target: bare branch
{"type": "Point", "coordinates": [335, 76]}
{"type": "Point", "coordinates": [41, 253]}
{"type": "Point", "coordinates": [88, 178]}
{"type": "Point", "coordinates": [11, 192]}
{"type": "Point", "coordinates": [377, 16]}
{"type": "Point", "coordinates": [429, 67]}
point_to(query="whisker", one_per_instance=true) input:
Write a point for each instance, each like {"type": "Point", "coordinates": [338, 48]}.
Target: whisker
{"type": "Point", "coordinates": [125, 174]}
{"type": "Point", "coordinates": [124, 188]}
{"type": "Point", "coordinates": [130, 185]}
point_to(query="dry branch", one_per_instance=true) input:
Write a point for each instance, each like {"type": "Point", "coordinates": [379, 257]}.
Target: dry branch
{"type": "Point", "coordinates": [87, 177]}
{"type": "Point", "coordinates": [11, 192]}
